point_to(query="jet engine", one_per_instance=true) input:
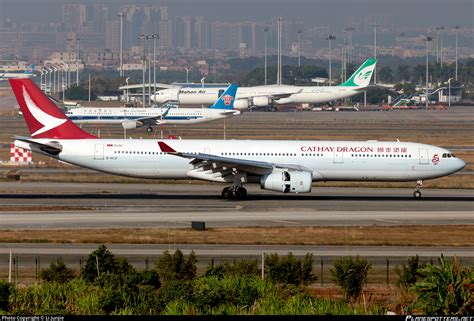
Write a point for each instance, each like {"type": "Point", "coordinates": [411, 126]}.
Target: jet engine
{"type": "Point", "coordinates": [131, 124]}
{"type": "Point", "coordinates": [287, 182]}
{"type": "Point", "coordinates": [241, 104]}
{"type": "Point", "coordinates": [261, 101]}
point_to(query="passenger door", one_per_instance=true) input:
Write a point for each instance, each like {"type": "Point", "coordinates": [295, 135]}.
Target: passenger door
{"type": "Point", "coordinates": [338, 157]}
{"type": "Point", "coordinates": [99, 151]}
{"type": "Point", "coordinates": [423, 156]}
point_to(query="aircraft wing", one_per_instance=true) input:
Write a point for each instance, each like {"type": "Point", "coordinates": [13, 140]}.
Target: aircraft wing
{"type": "Point", "coordinates": [223, 164]}
{"type": "Point", "coordinates": [274, 96]}
{"type": "Point", "coordinates": [154, 120]}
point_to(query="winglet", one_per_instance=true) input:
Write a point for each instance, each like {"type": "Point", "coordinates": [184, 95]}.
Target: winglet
{"type": "Point", "coordinates": [165, 148]}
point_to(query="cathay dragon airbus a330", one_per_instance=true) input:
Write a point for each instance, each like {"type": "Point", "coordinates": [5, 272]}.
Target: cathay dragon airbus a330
{"type": "Point", "coordinates": [277, 165]}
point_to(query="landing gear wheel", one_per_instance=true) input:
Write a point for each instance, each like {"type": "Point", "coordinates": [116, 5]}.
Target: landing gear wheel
{"type": "Point", "coordinates": [227, 193]}
{"type": "Point", "coordinates": [417, 194]}
{"type": "Point", "coordinates": [149, 129]}
{"type": "Point", "coordinates": [240, 193]}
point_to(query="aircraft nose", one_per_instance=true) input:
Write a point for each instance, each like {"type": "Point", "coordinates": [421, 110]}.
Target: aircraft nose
{"type": "Point", "coordinates": [460, 164]}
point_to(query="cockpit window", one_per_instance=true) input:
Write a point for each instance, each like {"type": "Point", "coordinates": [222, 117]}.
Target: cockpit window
{"type": "Point", "coordinates": [445, 155]}
{"type": "Point", "coordinates": [452, 155]}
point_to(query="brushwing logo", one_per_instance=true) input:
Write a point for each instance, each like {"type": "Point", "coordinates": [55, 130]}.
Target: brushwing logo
{"type": "Point", "coordinates": [227, 99]}
{"type": "Point", "coordinates": [49, 122]}
{"type": "Point", "coordinates": [363, 77]}
{"type": "Point", "coordinates": [435, 159]}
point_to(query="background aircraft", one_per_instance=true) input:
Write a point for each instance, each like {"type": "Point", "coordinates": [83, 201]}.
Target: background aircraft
{"type": "Point", "coordinates": [282, 166]}
{"type": "Point", "coordinates": [28, 73]}
{"type": "Point", "coordinates": [275, 94]}
{"type": "Point", "coordinates": [131, 118]}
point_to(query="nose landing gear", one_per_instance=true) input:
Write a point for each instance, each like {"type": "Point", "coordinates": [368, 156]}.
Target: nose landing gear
{"type": "Point", "coordinates": [234, 192]}
{"type": "Point", "coordinates": [417, 193]}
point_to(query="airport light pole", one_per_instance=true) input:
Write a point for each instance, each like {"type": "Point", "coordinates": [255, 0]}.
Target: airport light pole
{"type": "Point", "coordinates": [427, 39]}
{"type": "Point", "coordinates": [155, 36]}
{"type": "Point", "coordinates": [441, 46]}
{"type": "Point", "coordinates": [375, 51]}
{"type": "Point", "coordinates": [187, 75]}
{"type": "Point", "coordinates": [77, 62]}
{"type": "Point", "coordinates": [265, 31]}
{"type": "Point", "coordinates": [330, 38]}
{"type": "Point", "coordinates": [149, 37]}
{"type": "Point", "coordinates": [456, 54]}
{"type": "Point", "coordinates": [449, 92]}
{"type": "Point", "coordinates": [299, 47]}
{"type": "Point", "coordinates": [121, 15]}
{"type": "Point", "coordinates": [142, 37]}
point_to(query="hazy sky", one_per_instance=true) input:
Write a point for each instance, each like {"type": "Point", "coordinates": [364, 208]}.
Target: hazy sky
{"type": "Point", "coordinates": [333, 13]}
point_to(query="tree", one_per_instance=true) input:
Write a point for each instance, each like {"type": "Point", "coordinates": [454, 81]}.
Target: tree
{"type": "Point", "coordinates": [351, 275]}
{"type": "Point", "coordinates": [409, 274]}
{"type": "Point", "coordinates": [445, 289]}
{"type": "Point", "coordinates": [238, 268]}
{"type": "Point", "coordinates": [79, 93]}
{"type": "Point", "coordinates": [385, 74]}
{"type": "Point", "coordinates": [5, 291]}
{"type": "Point", "coordinates": [176, 266]}
{"type": "Point", "coordinates": [99, 261]}
{"type": "Point", "coordinates": [403, 72]}
{"type": "Point", "coordinates": [57, 272]}
{"type": "Point", "coordinates": [289, 269]}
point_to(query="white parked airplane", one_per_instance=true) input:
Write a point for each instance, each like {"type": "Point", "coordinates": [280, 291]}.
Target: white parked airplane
{"type": "Point", "coordinates": [274, 94]}
{"type": "Point", "coordinates": [28, 73]}
{"type": "Point", "coordinates": [282, 166]}
{"type": "Point", "coordinates": [131, 118]}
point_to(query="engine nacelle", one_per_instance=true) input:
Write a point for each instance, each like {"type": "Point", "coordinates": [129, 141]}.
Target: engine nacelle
{"type": "Point", "coordinates": [241, 104]}
{"type": "Point", "coordinates": [261, 101]}
{"type": "Point", "coordinates": [130, 124]}
{"type": "Point", "coordinates": [287, 182]}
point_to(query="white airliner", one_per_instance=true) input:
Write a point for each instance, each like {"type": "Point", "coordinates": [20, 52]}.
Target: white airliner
{"type": "Point", "coordinates": [131, 118]}
{"type": "Point", "coordinates": [282, 166]}
{"type": "Point", "coordinates": [28, 73]}
{"type": "Point", "coordinates": [274, 94]}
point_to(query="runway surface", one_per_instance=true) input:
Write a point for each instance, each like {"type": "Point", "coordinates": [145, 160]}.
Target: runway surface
{"type": "Point", "coordinates": [176, 205]}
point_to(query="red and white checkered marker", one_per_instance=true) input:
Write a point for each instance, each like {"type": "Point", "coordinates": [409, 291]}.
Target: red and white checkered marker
{"type": "Point", "coordinates": [20, 155]}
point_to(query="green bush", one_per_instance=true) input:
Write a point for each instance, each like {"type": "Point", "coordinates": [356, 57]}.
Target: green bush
{"type": "Point", "coordinates": [210, 292]}
{"type": "Point", "coordinates": [99, 261]}
{"type": "Point", "coordinates": [176, 266]}
{"type": "Point", "coordinates": [289, 269]}
{"type": "Point", "coordinates": [57, 272]}
{"type": "Point", "coordinates": [5, 291]}
{"type": "Point", "coordinates": [237, 268]}
{"type": "Point", "coordinates": [445, 289]}
{"type": "Point", "coordinates": [409, 274]}
{"type": "Point", "coordinates": [351, 275]}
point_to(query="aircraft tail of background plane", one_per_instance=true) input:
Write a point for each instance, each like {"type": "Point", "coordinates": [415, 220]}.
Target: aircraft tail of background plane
{"type": "Point", "coordinates": [30, 69]}
{"type": "Point", "coordinates": [361, 77]}
{"type": "Point", "coordinates": [226, 100]}
{"type": "Point", "coordinates": [43, 118]}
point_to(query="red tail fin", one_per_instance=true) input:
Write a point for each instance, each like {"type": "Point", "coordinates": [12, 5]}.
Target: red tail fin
{"type": "Point", "coordinates": [43, 118]}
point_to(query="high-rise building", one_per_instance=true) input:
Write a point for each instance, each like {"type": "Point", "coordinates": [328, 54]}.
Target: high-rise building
{"type": "Point", "coordinates": [201, 31]}
{"type": "Point", "coordinates": [187, 32]}
{"type": "Point", "coordinates": [112, 36]}
{"type": "Point", "coordinates": [165, 29]}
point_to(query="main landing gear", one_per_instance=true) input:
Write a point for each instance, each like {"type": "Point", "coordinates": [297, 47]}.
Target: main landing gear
{"type": "Point", "coordinates": [149, 129]}
{"type": "Point", "coordinates": [234, 192]}
{"type": "Point", "coordinates": [417, 193]}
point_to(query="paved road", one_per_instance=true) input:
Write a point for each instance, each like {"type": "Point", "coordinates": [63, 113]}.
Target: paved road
{"type": "Point", "coordinates": [162, 205]}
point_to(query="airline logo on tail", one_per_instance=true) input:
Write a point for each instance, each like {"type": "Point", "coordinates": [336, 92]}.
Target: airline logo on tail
{"type": "Point", "coordinates": [43, 118]}
{"type": "Point", "coordinates": [49, 122]}
{"type": "Point", "coordinates": [362, 76]}
{"type": "Point", "coordinates": [226, 100]}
